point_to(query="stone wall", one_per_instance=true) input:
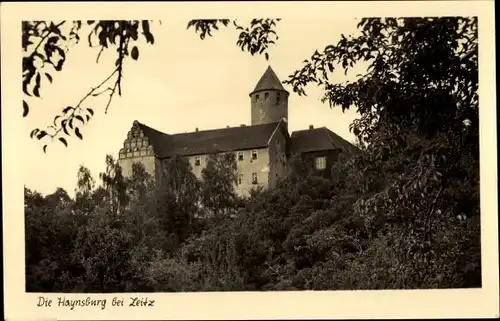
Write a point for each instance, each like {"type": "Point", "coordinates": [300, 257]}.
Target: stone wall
{"type": "Point", "coordinates": [269, 106]}
{"type": "Point", "coordinates": [136, 148]}
{"type": "Point", "coordinates": [278, 162]}
{"type": "Point", "coordinates": [148, 162]}
{"type": "Point", "coordinates": [247, 167]}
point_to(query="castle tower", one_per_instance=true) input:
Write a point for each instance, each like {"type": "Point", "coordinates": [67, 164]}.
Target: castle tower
{"type": "Point", "coordinates": [269, 100]}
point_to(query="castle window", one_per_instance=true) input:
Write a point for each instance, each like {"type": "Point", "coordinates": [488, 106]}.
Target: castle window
{"type": "Point", "coordinates": [257, 97]}
{"type": "Point", "coordinates": [320, 163]}
{"type": "Point", "coordinates": [254, 178]}
{"type": "Point", "coordinates": [197, 161]}
{"type": "Point", "coordinates": [266, 95]}
{"type": "Point", "coordinates": [255, 155]}
{"type": "Point", "coordinates": [240, 156]}
{"type": "Point", "coordinates": [240, 179]}
{"type": "Point", "coordinates": [277, 98]}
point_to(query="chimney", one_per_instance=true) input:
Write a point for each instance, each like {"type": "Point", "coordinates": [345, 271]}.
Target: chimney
{"type": "Point", "coordinates": [196, 129]}
{"type": "Point", "coordinates": [311, 127]}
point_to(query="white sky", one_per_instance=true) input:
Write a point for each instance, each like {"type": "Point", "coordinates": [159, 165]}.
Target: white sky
{"type": "Point", "coordinates": [178, 84]}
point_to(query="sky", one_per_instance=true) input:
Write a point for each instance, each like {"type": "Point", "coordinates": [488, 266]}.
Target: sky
{"type": "Point", "coordinates": [178, 84]}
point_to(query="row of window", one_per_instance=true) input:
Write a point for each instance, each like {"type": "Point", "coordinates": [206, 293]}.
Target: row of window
{"type": "Point", "coordinates": [255, 179]}
{"type": "Point", "coordinates": [255, 155]}
{"type": "Point", "coordinates": [320, 165]}
{"type": "Point", "coordinates": [320, 162]}
{"type": "Point", "coordinates": [266, 95]}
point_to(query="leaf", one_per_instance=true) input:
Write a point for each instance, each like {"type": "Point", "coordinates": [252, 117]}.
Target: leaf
{"type": "Point", "coordinates": [77, 133]}
{"type": "Point", "coordinates": [33, 132]}
{"type": "Point", "coordinates": [36, 91]}
{"type": "Point", "coordinates": [63, 124]}
{"type": "Point", "coordinates": [45, 148]}
{"type": "Point", "coordinates": [90, 111]}
{"type": "Point", "coordinates": [53, 39]}
{"type": "Point", "coordinates": [145, 25]}
{"type": "Point", "coordinates": [65, 110]}
{"type": "Point", "coordinates": [25, 109]}
{"type": "Point", "coordinates": [61, 61]}
{"type": "Point", "coordinates": [57, 117]}
{"type": "Point", "coordinates": [41, 135]}
{"type": "Point", "coordinates": [63, 141]}
{"type": "Point", "coordinates": [25, 88]}
{"type": "Point", "coordinates": [49, 77]}
{"type": "Point", "coordinates": [80, 118]}
{"type": "Point", "coordinates": [267, 56]}
{"type": "Point", "coordinates": [135, 53]}
{"type": "Point", "coordinates": [149, 38]}
{"type": "Point", "coordinates": [103, 39]}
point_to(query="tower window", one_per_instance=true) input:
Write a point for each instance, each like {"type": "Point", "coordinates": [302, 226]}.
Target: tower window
{"type": "Point", "coordinates": [255, 155]}
{"type": "Point", "coordinates": [254, 178]}
{"type": "Point", "coordinates": [266, 95]}
{"type": "Point", "coordinates": [197, 161]}
{"type": "Point", "coordinates": [320, 163]}
{"type": "Point", "coordinates": [257, 97]}
{"type": "Point", "coordinates": [240, 179]}
{"type": "Point", "coordinates": [240, 156]}
{"type": "Point", "coordinates": [278, 98]}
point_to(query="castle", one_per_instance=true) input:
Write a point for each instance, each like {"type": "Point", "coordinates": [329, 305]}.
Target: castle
{"type": "Point", "coordinates": [263, 149]}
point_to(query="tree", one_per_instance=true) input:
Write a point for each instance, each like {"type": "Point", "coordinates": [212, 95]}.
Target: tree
{"type": "Point", "coordinates": [45, 47]}
{"type": "Point", "coordinates": [219, 178]}
{"type": "Point", "coordinates": [115, 184]}
{"type": "Point", "coordinates": [85, 183]}
{"type": "Point", "coordinates": [177, 199]}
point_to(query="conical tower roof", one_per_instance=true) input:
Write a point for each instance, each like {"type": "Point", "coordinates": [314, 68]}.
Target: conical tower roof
{"type": "Point", "coordinates": [269, 81]}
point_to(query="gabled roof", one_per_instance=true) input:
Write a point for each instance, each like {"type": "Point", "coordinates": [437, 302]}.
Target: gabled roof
{"type": "Point", "coordinates": [319, 139]}
{"type": "Point", "coordinates": [268, 81]}
{"type": "Point", "coordinates": [209, 141]}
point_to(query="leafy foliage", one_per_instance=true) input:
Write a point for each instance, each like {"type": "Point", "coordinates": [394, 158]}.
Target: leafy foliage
{"type": "Point", "coordinates": [404, 214]}
{"type": "Point", "coordinates": [45, 48]}
{"type": "Point", "coordinates": [255, 38]}
{"type": "Point", "coordinates": [219, 177]}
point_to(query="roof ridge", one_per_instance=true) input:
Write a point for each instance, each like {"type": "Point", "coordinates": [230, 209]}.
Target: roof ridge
{"type": "Point", "coordinates": [328, 134]}
{"type": "Point", "coordinates": [308, 129]}
{"type": "Point", "coordinates": [151, 128]}
{"type": "Point", "coordinates": [347, 144]}
{"type": "Point", "coordinates": [224, 128]}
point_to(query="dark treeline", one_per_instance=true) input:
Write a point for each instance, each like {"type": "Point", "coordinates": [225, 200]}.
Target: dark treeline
{"type": "Point", "coordinates": [372, 227]}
